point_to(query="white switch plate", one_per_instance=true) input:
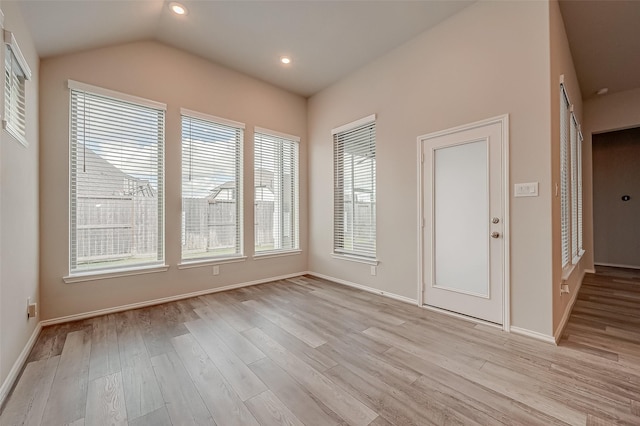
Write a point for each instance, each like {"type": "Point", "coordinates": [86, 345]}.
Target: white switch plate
{"type": "Point", "coordinates": [216, 270]}
{"type": "Point", "coordinates": [525, 189]}
{"type": "Point", "coordinates": [374, 270]}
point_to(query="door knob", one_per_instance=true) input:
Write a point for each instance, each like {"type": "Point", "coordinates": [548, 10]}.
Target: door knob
{"type": "Point", "coordinates": [495, 234]}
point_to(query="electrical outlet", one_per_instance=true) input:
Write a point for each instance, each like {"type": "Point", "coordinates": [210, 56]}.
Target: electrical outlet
{"type": "Point", "coordinates": [216, 270]}
{"type": "Point", "coordinates": [564, 289]}
{"type": "Point", "coordinates": [374, 270]}
{"type": "Point", "coordinates": [32, 308]}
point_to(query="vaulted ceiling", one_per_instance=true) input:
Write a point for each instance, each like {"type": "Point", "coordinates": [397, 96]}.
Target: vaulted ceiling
{"type": "Point", "coordinates": [325, 39]}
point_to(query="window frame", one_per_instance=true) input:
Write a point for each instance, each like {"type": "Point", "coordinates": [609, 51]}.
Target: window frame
{"type": "Point", "coordinates": [158, 265]}
{"type": "Point", "coordinates": [294, 141]}
{"type": "Point", "coordinates": [339, 251]}
{"type": "Point", "coordinates": [570, 184]}
{"type": "Point", "coordinates": [239, 254]}
{"type": "Point", "coordinates": [14, 120]}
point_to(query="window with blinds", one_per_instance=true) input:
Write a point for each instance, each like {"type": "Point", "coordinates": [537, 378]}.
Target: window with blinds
{"type": "Point", "coordinates": [574, 188]}
{"type": "Point", "coordinates": [276, 220]}
{"type": "Point", "coordinates": [354, 214]}
{"type": "Point", "coordinates": [16, 73]}
{"type": "Point", "coordinates": [570, 182]}
{"type": "Point", "coordinates": [579, 159]}
{"type": "Point", "coordinates": [117, 180]}
{"type": "Point", "coordinates": [564, 175]}
{"type": "Point", "coordinates": [211, 187]}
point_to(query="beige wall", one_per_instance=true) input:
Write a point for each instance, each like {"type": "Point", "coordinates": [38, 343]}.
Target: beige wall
{"type": "Point", "coordinates": [18, 212]}
{"type": "Point", "coordinates": [157, 72]}
{"type": "Point", "coordinates": [603, 113]}
{"type": "Point", "coordinates": [561, 64]}
{"type": "Point", "coordinates": [616, 223]}
{"type": "Point", "coordinates": [490, 59]}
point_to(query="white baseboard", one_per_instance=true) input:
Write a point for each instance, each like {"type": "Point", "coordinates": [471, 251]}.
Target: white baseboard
{"type": "Point", "coordinates": [533, 334]}
{"type": "Point", "coordinates": [567, 312]}
{"type": "Point", "coordinates": [17, 366]}
{"type": "Point", "coordinates": [590, 271]}
{"type": "Point", "coordinates": [616, 265]}
{"type": "Point", "coordinates": [366, 288]}
{"type": "Point", "coordinates": [99, 312]}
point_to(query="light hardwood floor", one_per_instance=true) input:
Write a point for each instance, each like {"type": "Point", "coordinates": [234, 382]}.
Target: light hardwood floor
{"type": "Point", "coordinates": [305, 351]}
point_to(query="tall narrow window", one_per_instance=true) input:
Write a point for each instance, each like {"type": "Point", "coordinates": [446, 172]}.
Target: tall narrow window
{"type": "Point", "coordinates": [579, 159]}
{"type": "Point", "coordinates": [354, 163]}
{"type": "Point", "coordinates": [117, 180]}
{"type": "Point", "coordinates": [564, 175]}
{"type": "Point", "coordinates": [16, 72]}
{"type": "Point", "coordinates": [211, 187]}
{"type": "Point", "coordinates": [574, 188]}
{"type": "Point", "coordinates": [276, 192]}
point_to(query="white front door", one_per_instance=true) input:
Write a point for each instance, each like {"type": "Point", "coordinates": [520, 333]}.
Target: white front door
{"type": "Point", "coordinates": [463, 208]}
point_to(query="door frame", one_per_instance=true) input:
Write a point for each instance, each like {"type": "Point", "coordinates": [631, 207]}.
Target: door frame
{"type": "Point", "coordinates": [503, 120]}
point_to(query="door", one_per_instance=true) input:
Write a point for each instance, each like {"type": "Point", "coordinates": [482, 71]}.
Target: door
{"type": "Point", "coordinates": [463, 207]}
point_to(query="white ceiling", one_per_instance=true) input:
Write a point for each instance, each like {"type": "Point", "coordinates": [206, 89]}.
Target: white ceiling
{"type": "Point", "coordinates": [604, 37]}
{"type": "Point", "coordinates": [325, 39]}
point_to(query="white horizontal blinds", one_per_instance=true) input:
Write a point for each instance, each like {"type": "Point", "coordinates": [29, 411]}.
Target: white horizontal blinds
{"type": "Point", "coordinates": [564, 174]}
{"type": "Point", "coordinates": [211, 189]}
{"type": "Point", "coordinates": [355, 191]}
{"type": "Point", "coordinates": [14, 100]}
{"type": "Point", "coordinates": [580, 242]}
{"type": "Point", "coordinates": [276, 219]}
{"type": "Point", "coordinates": [574, 187]}
{"type": "Point", "coordinates": [117, 183]}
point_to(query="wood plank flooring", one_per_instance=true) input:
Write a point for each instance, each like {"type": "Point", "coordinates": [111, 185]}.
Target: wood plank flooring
{"type": "Point", "coordinates": [306, 351]}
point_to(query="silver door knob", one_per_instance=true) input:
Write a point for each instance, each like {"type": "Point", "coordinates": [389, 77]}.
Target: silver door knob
{"type": "Point", "coordinates": [495, 234]}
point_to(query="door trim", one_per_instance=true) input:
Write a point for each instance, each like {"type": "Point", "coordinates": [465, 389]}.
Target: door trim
{"type": "Point", "coordinates": [503, 120]}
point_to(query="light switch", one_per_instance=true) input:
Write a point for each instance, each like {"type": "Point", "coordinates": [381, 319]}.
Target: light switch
{"type": "Point", "coordinates": [526, 189]}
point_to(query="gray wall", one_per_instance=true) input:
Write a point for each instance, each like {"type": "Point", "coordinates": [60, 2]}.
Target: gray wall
{"type": "Point", "coordinates": [171, 76]}
{"type": "Point", "coordinates": [616, 172]}
{"type": "Point", "coordinates": [18, 211]}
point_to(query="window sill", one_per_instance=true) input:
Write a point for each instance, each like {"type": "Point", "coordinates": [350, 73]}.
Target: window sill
{"type": "Point", "coordinates": [211, 262]}
{"type": "Point", "coordinates": [14, 133]}
{"type": "Point", "coordinates": [116, 273]}
{"type": "Point", "coordinates": [568, 269]}
{"type": "Point", "coordinates": [270, 254]}
{"type": "Point", "coordinates": [356, 259]}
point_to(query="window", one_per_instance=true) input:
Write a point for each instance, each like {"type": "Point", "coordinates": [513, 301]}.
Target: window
{"type": "Point", "coordinates": [16, 72]}
{"type": "Point", "coordinates": [579, 208]}
{"type": "Point", "coordinates": [564, 174]}
{"type": "Point", "coordinates": [276, 192]}
{"type": "Point", "coordinates": [117, 180]}
{"type": "Point", "coordinates": [354, 214]}
{"type": "Point", "coordinates": [211, 187]}
{"type": "Point", "coordinates": [570, 182]}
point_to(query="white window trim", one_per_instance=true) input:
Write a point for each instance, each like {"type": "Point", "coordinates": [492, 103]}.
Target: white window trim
{"type": "Point", "coordinates": [10, 40]}
{"type": "Point", "coordinates": [345, 128]}
{"type": "Point", "coordinates": [352, 125]}
{"type": "Point", "coordinates": [212, 118]}
{"type": "Point", "coordinates": [99, 274]}
{"type": "Point", "coordinates": [236, 257]}
{"type": "Point", "coordinates": [356, 259]}
{"type": "Point", "coordinates": [211, 262]}
{"type": "Point", "coordinates": [275, 134]}
{"type": "Point", "coordinates": [276, 253]}
{"type": "Point", "coordinates": [291, 251]}
{"type": "Point", "coordinates": [96, 90]}
{"type": "Point", "coordinates": [115, 273]}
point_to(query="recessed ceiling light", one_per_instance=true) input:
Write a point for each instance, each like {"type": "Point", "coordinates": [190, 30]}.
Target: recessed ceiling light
{"type": "Point", "coordinates": [178, 8]}
{"type": "Point", "coordinates": [602, 91]}
{"type": "Point", "coordinates": [285, 60]}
